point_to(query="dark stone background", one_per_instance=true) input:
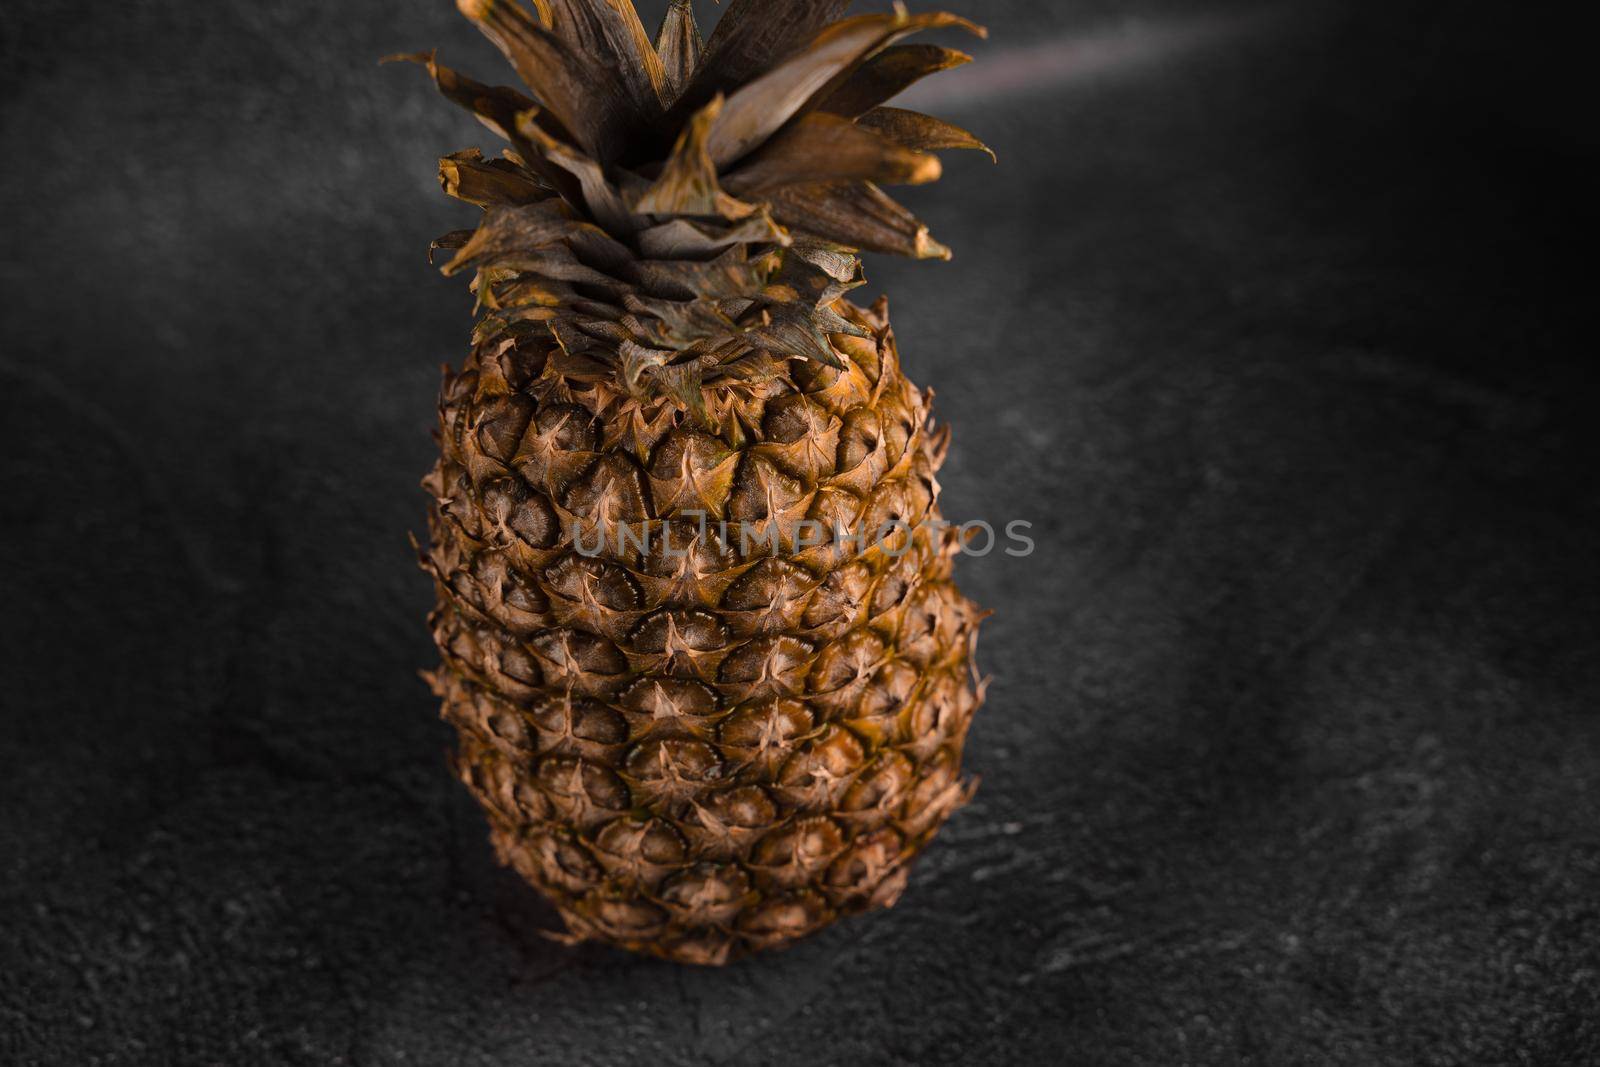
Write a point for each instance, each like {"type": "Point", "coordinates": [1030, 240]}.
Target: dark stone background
{"type": "Point", "coordinates": [1274, 326]}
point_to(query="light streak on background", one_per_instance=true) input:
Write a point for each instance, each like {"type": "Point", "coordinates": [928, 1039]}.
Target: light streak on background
{"type": "Point", "coordinates": [1129, 48]}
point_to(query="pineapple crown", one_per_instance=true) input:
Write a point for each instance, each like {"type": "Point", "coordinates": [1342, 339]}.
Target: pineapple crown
{"type": "Point", "coordinates": [682, 217]}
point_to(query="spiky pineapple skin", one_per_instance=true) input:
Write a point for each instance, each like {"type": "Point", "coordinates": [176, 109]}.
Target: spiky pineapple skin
{"type": "Point", "coordinates": [714, 746]}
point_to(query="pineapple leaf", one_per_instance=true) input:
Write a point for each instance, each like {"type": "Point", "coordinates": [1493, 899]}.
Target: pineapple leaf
{"type": "Point", "coordinates": [888, 74]}
{"type": "Point", "coordinates": [514, 229]}
{"type": "Point", "coordinates": [912, 129]}
{"type": "Point", "coordinates": [821, 271]}
{"type": "Point", "coordinates": [601, 197]}
{"type": "Point", "coordinates": [611, 33]}
{"type": "Point", "coordinates": [688, 183]}
{"type": "Point", "coordinates": [679, 47]}
{"type": "Point", "coordinates": [678, 324]}
{"type": "Point", "coordinates": [760, 108]}
{"type": "Point", "coordinates": [797, 330]}
{"type": "Point", "coordinates": [857, 215]}
{"type": "Point", "coordinates": [583, 93]}
{"type": "Point", "coordinates": [821, 147]}
{"type": "Point", "coordinates": [684, 384]}
{"type": "Point", "coordinates": [687, 239]}
{"type": "Point", "coordinates": [449, 242]}
{"type": "Point", "coordinates": [636, 359]}
{"type": "Point", "coordinates": [730, 275]}
{"type": "Point", "coordinates": [751, 38]}
{"type": "Point", "coordinates": [558, 262]}
{"type": "Point", "coordinates": [496, 106]}
{"type": "Point", "coordinates": [468, 176]}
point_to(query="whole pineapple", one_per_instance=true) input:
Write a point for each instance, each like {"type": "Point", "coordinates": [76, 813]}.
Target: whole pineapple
{"type": "Point", "coordinates": [699, 637]}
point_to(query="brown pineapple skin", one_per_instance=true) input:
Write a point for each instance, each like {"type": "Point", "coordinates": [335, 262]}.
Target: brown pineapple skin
{"type": "Point", "coordinates": [711, 747]}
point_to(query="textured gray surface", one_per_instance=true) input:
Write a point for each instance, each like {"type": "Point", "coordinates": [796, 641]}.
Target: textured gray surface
{"type": "Point", "coordinates": [1292, 751]}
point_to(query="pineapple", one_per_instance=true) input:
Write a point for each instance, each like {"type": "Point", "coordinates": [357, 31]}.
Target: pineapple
{"type": "Point", "coordinates": [698, 632]}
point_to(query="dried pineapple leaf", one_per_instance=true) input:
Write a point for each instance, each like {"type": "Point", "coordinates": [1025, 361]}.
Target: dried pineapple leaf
{"type": "Point", "coordinates": [609, 332]}
{"type": "Point", "coordinates": [912, 129]}
{"type": "Point", "coordinates": [688, 182]}
{"type": "Point", "coordinates": [609, 31]}
{"type": "Point", "coordinates": [679, 47]}
{"type": "Point", "coordinates": [831, 321]}
{"type": "Point", "coordinates": [575, 86]}
{"type": "Point", "coordinates": [597, 248]}
{"type": "Point", "coordinates": [558, 261]}
{"type": "Point", "coordinates": [578, 343]}
{"type": "Point", "coordinates": [468, 176]}
{"type": "Point", "coordinates": [730, 275]}
{"type": "Point", "coordinates": [835, 261]}
{"type": "Point", "coordinates": [491, 326]}
{"type": "Point", "coordinates": [857, 215]}
{"type": "Point", "coordinates": [599, 195]}
{"type": "Point", "coordinates": [636, 360]}
{"type": "Point", "coordinates": [683, 384]}
{"type": "Point", "coordinates": [759, 109]}
{"type": "Point", "coordinates": [514, 229]}
{"type": "Point", "coordinates": [450, 241]}
{"type": "Point", "coordinates": [887, 75]}
{"type": "Point", "coordinates": [798, 330]}
{"type": "Point", "coordinates": [678, 324]}
{"type": "Point", "coordinates": [824, 148]}
{"type": "Point", "coordinates": [752, 37]}
{"type": "Point", "coordinates": [529, 291]}
{"type": "Point", "coordinates": [686, 239]}
{"type": "Point", "coordinates": [819, 271]}
{"type": "Point", "coordinates": [756, 365]}
{"type": "Point", "coordinates": [496, 106]}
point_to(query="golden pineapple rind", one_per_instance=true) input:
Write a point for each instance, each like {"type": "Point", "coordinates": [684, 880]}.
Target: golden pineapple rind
{"type": "Point", "coordinates": [706, 749]}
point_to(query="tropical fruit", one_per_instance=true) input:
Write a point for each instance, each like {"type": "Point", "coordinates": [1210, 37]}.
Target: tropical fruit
{"type": "Point", "coordinates": [695, 612]}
